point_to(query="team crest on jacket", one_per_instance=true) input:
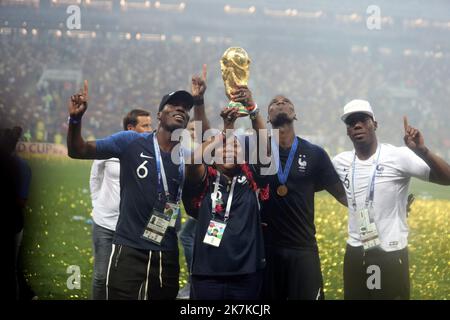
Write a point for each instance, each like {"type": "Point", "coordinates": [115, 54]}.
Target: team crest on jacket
{"type": "Point", "coordinates": [380, 169]}
{"type": "Point", "coordinates": [242, 179]}
{"type": "Point", "coordinates": [302, 163]}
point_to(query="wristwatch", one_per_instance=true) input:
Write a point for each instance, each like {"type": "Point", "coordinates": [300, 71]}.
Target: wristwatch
{"type": "Point", "coordinates": [71, 120]}
{"type": "Point", "coordinates": [199, 101]}
{"type": "Point", "coordinates": [254, 113]}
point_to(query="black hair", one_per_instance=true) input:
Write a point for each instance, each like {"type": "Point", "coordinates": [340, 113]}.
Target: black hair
{"type": "Point", "coordinates": [132, 117]}
{"type": "Point", "coordinates": [9, 139]}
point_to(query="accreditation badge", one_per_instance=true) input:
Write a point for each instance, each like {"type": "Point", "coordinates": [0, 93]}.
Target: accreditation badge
{"type": "Point", "coordinates": [156, 227]}
{"type": "Point", "coordinates": [172, 210]}
{"type": "Point", "coordinates": [368, 230]}
{"type": "Point", "coordinates": [214, 233]}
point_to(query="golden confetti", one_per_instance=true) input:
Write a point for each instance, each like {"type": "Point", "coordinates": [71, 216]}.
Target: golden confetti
{"type": "Point", "coordinates": [52, 241]}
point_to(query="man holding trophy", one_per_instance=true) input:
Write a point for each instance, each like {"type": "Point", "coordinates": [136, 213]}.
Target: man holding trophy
{"type": "Point", "coordinates": [235, 65]}
{"type": "Point", "coordinates": [224, 197]}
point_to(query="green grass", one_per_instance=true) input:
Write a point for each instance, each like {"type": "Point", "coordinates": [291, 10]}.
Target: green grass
{"type": "Point", "coordinates": [426, 190]}
{"type": "Point", "coordinates": [53, 240]}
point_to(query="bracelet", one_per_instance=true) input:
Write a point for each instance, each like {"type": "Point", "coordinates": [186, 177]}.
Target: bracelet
{"type": "Point", "coordinates": [254, 113]}
{"type": "Point", "coordinates": [199, 102]}
{"type": "Point", "coordinates": [251, 108]}
{"type": "Point", "coordinates": [71, 120]}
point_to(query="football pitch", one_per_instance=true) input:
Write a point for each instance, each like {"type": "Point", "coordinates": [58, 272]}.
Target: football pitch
{"type": "Point", "coordinates": [58, 235]}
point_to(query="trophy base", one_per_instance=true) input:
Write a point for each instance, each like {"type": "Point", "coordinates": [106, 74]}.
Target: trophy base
{"type": "Point", "coordinates": [242, 110]}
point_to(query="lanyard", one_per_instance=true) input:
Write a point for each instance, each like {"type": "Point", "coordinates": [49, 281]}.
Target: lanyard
{"type": "Point", "coordinates": [230, 197]}
{"type": "Point", "coordinates": [283, 174]}
{"type": "Point", "coordinates": [162, 172]}
{"type": "Point", "coordinates": [371, 189]}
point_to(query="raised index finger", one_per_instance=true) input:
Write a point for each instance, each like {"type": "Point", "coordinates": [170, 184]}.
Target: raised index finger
{"type": "Point", "coordinates": [405, 123]}
{"type": "Point", "coordinates": [86, 90]}
{"type": "Point", "coordinates": [204, 72]}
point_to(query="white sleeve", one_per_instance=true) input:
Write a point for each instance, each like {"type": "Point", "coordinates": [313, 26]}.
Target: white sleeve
{"type": "Point", "coordinates": [96, 178]}
{"type": "Point", "coordinates": [334, 161]}
{"type": "Point", "coordinates": [412, 165]}
{"type": "Point", "coordinates": [337, 164]}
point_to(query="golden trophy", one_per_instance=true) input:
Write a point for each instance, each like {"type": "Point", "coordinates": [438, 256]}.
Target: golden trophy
{"type": "Point", "coordinates": [235, 65]}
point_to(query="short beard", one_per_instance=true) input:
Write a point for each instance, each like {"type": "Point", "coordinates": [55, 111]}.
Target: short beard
{"type": "Point", "coordinates": [172, 128]}
{"type": "Point", "coordinates": [281, 119]}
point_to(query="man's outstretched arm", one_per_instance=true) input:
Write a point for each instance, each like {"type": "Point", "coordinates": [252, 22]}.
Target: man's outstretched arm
{"type": "Point", "coordinates": [439, 169]}
{"type": "Point", "coordinates": [77, 147]}
{"type": "Point", "coordinates": [198, 92]}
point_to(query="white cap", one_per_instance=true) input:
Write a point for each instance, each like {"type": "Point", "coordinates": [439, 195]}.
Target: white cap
{"type": "Point", "coordinates": [356, 106]}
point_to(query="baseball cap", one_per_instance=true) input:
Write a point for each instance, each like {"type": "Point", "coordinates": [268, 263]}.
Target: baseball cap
{"type": "Point", "coordinates": [357, 106]}
{"type": "Point", "coordinates": [179, 95]}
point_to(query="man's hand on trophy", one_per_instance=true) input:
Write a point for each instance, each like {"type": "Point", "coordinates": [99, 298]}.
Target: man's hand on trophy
{"type": "Point", "coordinates": [199, 87]}
{"type": "Point", "coordinates": [243, 95]}
{"type": "Point", "coordinates": [229, 116]}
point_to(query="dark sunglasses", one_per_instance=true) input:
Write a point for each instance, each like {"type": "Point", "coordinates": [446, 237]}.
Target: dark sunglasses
{"type": "Point", "coordinates": [354, 119]}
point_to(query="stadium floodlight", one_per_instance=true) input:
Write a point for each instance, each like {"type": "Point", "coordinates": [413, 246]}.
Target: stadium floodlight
{"type": "Point", "coordinates": [34, 32]}
{"type": "Point", "coordinates": [5, 31]}
{"type": "Point", "coordinates": [170, 6]}
{"type": "Point", "coordinates": [239, 10]}
{"type": "Point", "coordinates": [355, 17]}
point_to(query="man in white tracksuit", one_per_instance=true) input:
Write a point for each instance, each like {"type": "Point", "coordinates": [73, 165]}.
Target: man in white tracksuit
{"type": "Point", "coordinates": [376, 177]}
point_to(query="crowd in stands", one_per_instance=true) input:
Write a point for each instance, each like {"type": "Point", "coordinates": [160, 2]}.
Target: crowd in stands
{"type": "Point", "coordinates": [128, 74]}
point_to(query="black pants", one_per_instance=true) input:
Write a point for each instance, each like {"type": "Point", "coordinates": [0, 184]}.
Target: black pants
{"type": "Point", "coordinates": [292, 274]}
{"type": "Point", "coordinates": [376, 274]}
{"type": "Point", "coordinates": [135, 274]}
{"type": "Point", "coordinates": [239, 287]}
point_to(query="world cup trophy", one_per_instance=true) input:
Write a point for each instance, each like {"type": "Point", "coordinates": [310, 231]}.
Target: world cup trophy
{"type": "Point", "coordinates": [235, 64]}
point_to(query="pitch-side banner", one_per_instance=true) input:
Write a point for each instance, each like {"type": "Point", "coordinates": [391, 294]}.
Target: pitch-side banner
{"type": "Point", "coordinates": [41, 148]}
